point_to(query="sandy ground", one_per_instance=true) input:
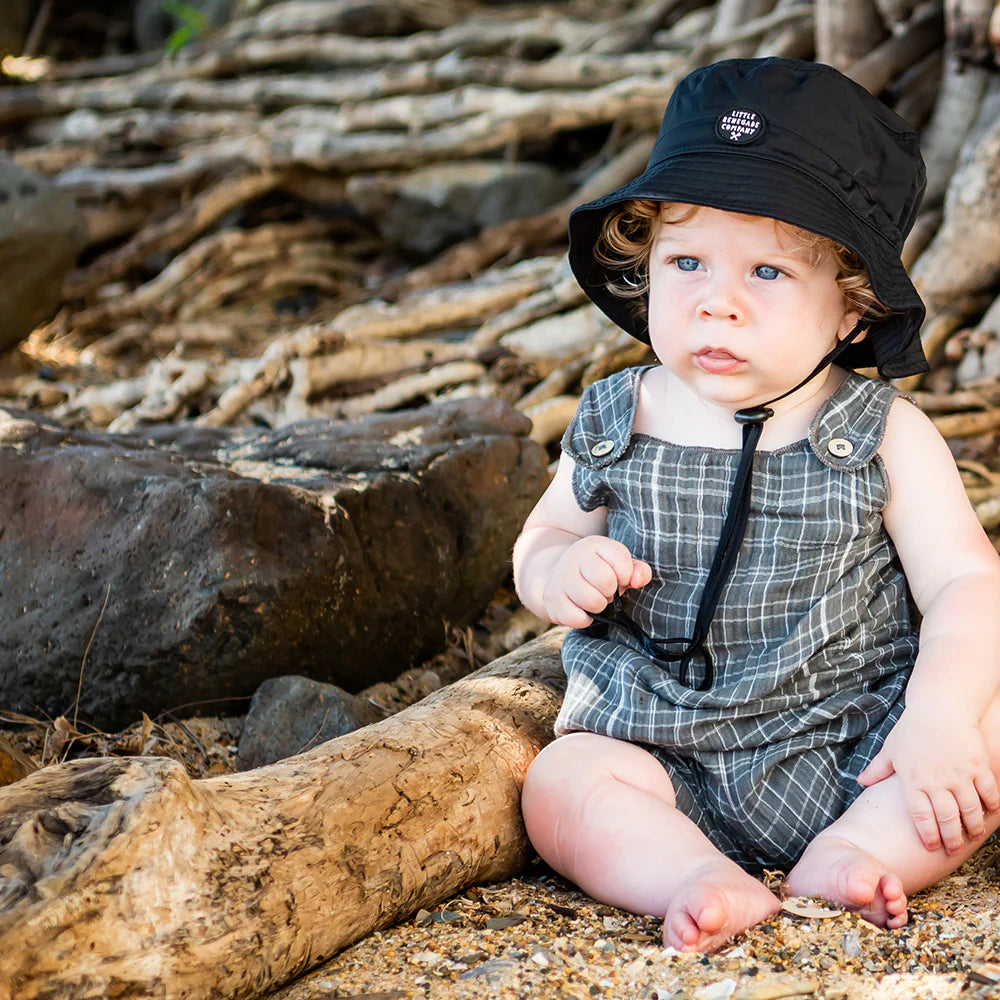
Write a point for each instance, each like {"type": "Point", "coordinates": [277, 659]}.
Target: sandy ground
{"type": "Point", "coordinates": [538, 937]}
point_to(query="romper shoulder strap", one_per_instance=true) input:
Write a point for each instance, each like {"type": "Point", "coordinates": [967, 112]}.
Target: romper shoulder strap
{"type": "Point", "coordinates": [601, 429]}
{"type": "Point", "coordinates": [848, 430]}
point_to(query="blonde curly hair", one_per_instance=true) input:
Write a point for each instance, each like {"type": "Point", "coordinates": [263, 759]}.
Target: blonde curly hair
{"type": "Point", "coordinates": [626, 242]}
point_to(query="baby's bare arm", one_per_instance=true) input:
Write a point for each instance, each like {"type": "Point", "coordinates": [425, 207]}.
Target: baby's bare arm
{"type": "Point", "coordinates": [938, 748]}
{"type": "Point", "coordinates": [565, 566]}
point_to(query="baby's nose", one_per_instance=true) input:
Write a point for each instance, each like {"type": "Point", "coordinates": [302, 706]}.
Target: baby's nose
{"type": "Point", "coordinates": [721, 301]}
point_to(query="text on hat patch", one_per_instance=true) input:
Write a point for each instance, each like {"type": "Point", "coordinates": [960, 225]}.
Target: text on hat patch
{"type": "Point", "coordinates": [739, 125]}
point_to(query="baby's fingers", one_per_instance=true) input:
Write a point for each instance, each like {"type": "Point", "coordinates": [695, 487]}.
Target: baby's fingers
{"type": "Point", "coordinates": [950, 819]}
{"type": "Point", "coordinates": [626, 571]}
{"type": "Point", "coordinates": [641, 575]}
{"type": "Point", "coordinates": [959, 812]}
{"type": "Point", "coordinates": [971, 807]}
{"type": "Point", "coordinates": [564, 610]}
{"type": "Point", "coordinates": [989, 793]}
{"type": "Point", "coordinates": [925, 819]}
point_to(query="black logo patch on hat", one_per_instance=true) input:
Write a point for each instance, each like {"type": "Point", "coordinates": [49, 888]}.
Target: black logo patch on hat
{"type": "Point", "coordinates": [741, 125]}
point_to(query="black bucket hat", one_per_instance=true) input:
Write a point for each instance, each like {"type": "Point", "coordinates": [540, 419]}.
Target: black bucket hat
{"type": "Point", "coordinates": [796, 141]}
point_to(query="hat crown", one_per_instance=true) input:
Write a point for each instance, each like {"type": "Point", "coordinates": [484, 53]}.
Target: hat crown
{"type": "Point", "coordinates": [809, 114]}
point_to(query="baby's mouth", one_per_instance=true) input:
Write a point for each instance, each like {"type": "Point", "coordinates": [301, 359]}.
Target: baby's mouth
{"type": "Point", "coordinates": [717, 360]}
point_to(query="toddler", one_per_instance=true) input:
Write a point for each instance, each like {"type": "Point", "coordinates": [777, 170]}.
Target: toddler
{"type": "Point", "coordinates": [785, 612]}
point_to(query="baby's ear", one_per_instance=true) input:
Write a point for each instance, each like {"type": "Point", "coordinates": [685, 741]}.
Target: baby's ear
{"type": "Point", "coordinates": [848, 323]}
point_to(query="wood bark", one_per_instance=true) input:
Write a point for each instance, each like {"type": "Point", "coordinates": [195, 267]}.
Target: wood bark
{"type": "Point", "coordinates": [959, 98]}
{"type": "Point", "coordinates": [175, 231]}
{"type": "Point", "coordinates": [273, 93]}
{"type": "Point", "coordinates": [881, 65]}
{"type": "Point", "coordinates": [313, 137]}
{"type": "Point", "coordinates": [126, 878]}
{"type": "Point", "coordinates": [964, 256]}
{"type": "Point", "coordinates": [473, 255]}
{"type": "Point", "coordinates": [969, 30]}
{"type": "Point", "coordinates": [846, 31]}
{"type": "Point", "coordinates": [731, 14]}
{"type": "Point", "coordinates": [374, 17]}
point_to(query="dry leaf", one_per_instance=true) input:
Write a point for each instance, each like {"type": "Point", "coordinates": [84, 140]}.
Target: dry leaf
{"type": "Point", "coordinates": [802, 906]}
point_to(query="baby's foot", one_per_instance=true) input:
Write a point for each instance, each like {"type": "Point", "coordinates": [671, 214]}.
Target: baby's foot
{"type": "Point", "coordinates": [718, 901]}
{"type": "Point", "coordinates": [835, 869]}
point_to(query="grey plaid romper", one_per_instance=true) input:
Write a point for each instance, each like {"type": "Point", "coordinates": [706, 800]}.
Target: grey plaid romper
{"type": "Point", "coordinates": [813, 640]}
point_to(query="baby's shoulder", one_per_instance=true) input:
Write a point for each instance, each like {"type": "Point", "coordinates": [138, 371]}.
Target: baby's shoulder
{"type": "Point", "coordinates": [601, 429]}
{"type": "Point", "coordinates": [849, 428]}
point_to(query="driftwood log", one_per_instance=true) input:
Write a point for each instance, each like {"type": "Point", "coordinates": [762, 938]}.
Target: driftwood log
{"type": "Point", "coordinates": [126, 878]}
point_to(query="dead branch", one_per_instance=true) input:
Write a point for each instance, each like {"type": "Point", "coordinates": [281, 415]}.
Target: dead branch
{"type": "Point", "coordinates": [966, 424]}
{"type": "Point", "coordinates": [274, 93]}
{"type": "Point", "coordinates": [248, 880]}
{"type": "Point", "coordinates": [730, 15]}
{"type": "Point", "coordinates": [166, 398]}
{"type": "Point", "coordinates": [846, 30]}
{"type": "Point", "coordinates": [523, 235]}
{"type": "Point", "coordinates": [964, 256]}
{"type": "Point", "coordinates": [552, 341]}
{"type": "Point", "coordinates": [103, 134]}
{"type": "Point", "coordinates": [433, 310]}
{"type": "Point", "coordinates": [160, 338]}
{"type": "Point", "coordinates": [984, 397]}
{"type": "Point", "coordinates": [311, 137]}
{"type": "Point", "coordinates": [628, 31]}
{"type": "Point", "coordinates": [475, 36]}
{"type": "Point", "coordinates": [177, 286]}
{"type": "Point", "coordinates": [550, 418]}
{"type": "Point", "coordinates": [795, 40]}
{"type": "Point", "coordinates": [879, 66]}
{"type": "Point", "coordinates": [969, 31]}
{"type": "Point", "coordinates": [380, 17]}
{"type": "Point", "coordinates": [407, 388]}
{"type": "Point", "coordinates": [917, 89]}
{"type": "Point", "coordinates": [176, 231]}
{"type": "Point", "coordinates": [959, 96]}
{"type": "Point", "coordinates": [379, 360]}
{"type": "Point", "coordinates": [562, 293]}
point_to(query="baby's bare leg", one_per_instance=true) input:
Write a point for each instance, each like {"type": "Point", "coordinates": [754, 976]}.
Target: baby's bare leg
{"type": "Point", "coordinates": [602, 813]}
{"type": "Point", "coordinates": [871, 858]}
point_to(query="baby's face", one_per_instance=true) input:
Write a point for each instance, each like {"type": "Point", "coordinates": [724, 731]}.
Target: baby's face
{"type": "Point", "coordinates": [739, 307]}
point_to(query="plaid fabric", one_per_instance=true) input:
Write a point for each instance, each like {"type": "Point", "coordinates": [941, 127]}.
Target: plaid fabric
{"type": "Point", "coordinates": [813, 640]}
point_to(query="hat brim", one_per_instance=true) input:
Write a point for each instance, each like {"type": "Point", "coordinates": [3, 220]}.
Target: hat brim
{"type": "Point", "coordinates": [762, 186]}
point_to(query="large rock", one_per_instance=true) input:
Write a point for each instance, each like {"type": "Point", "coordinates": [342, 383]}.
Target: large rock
{"type": "Point", "coordinates": [191, 564]}
{"type": "Point", "coordinates": [289, 715]}
{"type": "Point", "coordinates": [41, 233]}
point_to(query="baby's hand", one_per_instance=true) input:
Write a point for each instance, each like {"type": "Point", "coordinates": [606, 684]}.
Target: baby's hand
{"type": "Point", "coordinates": [944, 768]}
{"type": "Point", "coordinates": [586, 578]}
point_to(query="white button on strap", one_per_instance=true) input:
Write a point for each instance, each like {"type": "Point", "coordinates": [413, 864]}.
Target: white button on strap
{"type": "Point", "coordinates": [602, 448]}
{"type": "Point", "coordinates": [839, 447]}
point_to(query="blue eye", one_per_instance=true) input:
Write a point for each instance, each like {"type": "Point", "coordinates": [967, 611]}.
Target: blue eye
{"type": "Point", "coordinates": [766, 272]}
{"type": "Point", "coordinates": [687, 263]}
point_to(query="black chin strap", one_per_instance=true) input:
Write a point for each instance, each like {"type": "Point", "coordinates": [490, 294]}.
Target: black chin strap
{"type": "Point", "coordinates": [735, 525]}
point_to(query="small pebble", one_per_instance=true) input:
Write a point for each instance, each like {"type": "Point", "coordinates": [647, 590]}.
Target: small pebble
{"type": "Point", "coordinates": [850, 945]}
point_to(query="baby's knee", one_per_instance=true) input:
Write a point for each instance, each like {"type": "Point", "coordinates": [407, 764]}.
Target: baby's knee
{"type": "Point", "coordinates": [575, 771]}
{"type": "Point", "coordinates": [554, 775]}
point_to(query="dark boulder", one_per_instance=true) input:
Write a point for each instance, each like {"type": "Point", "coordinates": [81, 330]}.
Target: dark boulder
{"type": "Point", "coordinates": [289, 715]}
{"type": "Point", "coordinates": [41, 233]}
{"type": "Point", "coordinates": [186, 565]}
